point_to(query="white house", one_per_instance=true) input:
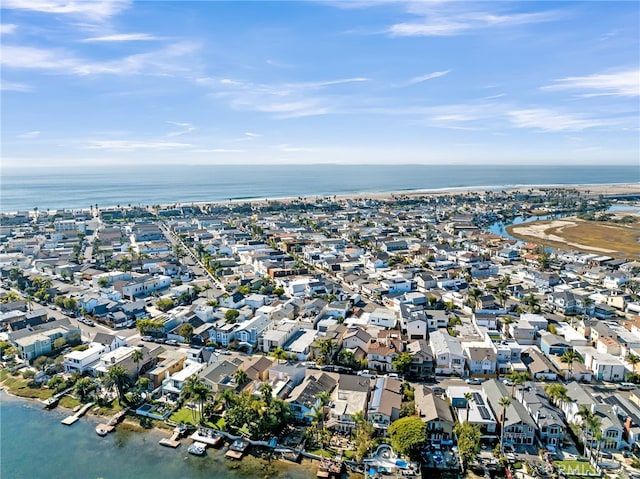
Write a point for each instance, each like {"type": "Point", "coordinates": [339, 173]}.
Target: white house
{"type": "Point", "coordinates": [447, 353]}
{"type": "Point", "coordinates": [383, 317]}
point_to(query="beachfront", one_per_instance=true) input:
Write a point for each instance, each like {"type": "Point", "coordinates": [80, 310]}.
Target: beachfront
{"type": "Point", "coordinates": [315, 326]}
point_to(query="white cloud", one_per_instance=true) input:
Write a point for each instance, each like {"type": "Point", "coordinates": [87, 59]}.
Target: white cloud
{"type": "Point", "coordinates": [92, 9]}
{"type": "Point", "coordinates": [13, 86]}
{"type": "Point", "coordinates": [29, 134]}
{"type": "Point", "coordinates": [428, 76]}
{"type": "Point", "coordinates": [128, 145]}
{"type": "Point", "coordinates": [284, 100]}
{"type": "Point", "coordinates": [252, 135]}
{"type": "Point", "coordinates": [624, 83]}
{"type": "Point", "coordinates": [453, 18]}
{"type": "Point", "coordinates": [121, 37]}
{"type": "Point", "coordinates": [159, 62]}
{"type": "Point", "coordinates": [293, 149]}
{"type": "Point", "coordinates": [549, 120]}
{"type": "Point", "coordinates": [218, 150]}
{"type": "Point", "coordinates": [187, 128]}
{"type": "Point", "coordinates": [7, 28]}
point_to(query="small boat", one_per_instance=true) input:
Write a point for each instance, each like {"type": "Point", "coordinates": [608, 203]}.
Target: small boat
{"type": "Point", "coordinates": [197, 449]}
{"type": "Point", "coordinates": [237, 449]}
{"type": "Point", "coordinates": [101, 431]}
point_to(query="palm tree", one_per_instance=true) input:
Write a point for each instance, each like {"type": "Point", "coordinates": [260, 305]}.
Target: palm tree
{"type": "Point", "coordinates": [240, 377]}
{"type": "Point", "coordinates": [195, 389]}
{"type": "Point", "coordinates": [556, 392]}
{"type": "Point", "coordinates": [594, 426]}
{"type": "Point", "coordinates": [518, 378]}
{"type": "Point", "coordinates": [533, 303]}
{"type": "Point", "coordinates": [569, 357]}
{"type": "Point", "coordinates": [505, 402]}
{"type": "Point", "coordinates": [633, 359]}
{"type": "Point", "coordinates": [279, 354]}
{"type": "Point", "coordinates": [506, 321]}
{"type": "Point", "coordinates": [468, 397]}
{"type": "Point", "coordinates": [474, 297]}
{"type": "Point", "coordinates": [136, 357]}
{"type": "Point", "coordinates": [587, 302]}
{"type": "Point", "coordinates": [326, 350]}
{"type": "Point", "coordinates": [586, 415]}
{"type": "Point", "coordinates": [117, 376]}
{"type": "Point", "coordinates": [266, 391]}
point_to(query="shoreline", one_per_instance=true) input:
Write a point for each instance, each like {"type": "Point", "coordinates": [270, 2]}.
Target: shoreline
{"type": "Point", "coordinates": [594, 189]}
{"type": "Point", "coordinates": [251, 462]}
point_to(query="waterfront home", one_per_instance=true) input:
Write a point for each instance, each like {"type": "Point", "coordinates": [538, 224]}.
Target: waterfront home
{"type": "Point", "coordinates": [517, 426]}
{"type": "Point", "coordinates": [39, 340]}
{"type": "Point", "coordinates": [435, 412]}
{"type": "Point", "coordinates": [349, 398]}
{"type": "Point", "coordinates": [385, 402]}
{"type": "Point", "coordinates": [304, 398]}
{"type": "Point", "coordinates": [219, 375]}
{"type": "Point", "coordinates": [174, 384]}
{"type": "Point", "coordinates": [168, 362]}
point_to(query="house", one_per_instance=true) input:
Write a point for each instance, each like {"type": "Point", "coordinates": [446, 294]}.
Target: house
{"type": "Point", "coordinates": [553, 344]}
{"type": "Point", "coordinates": [563, 302]}
{"type": "Point", "coordinates": [173, 384]}
{"type": "Point", "coordinates": [422, 365]}
{"type": "Point", "coordinates": [550, 425]}
{"type": "Point", "coordinates": [383, 317]}
{"type": "Point", "coordinates": [219, 375]}
{"type": "Point", "coordinates": [356, 338]}
{"type": "Point", "coordinates": [539, 366]}
{"type": "Point", "coordinates": [479, 412]}
{"type": "Point", "coordinates": [579, 398]}
{"type": "Point", "coordinates": [604, 366]}
{"type": "Point", "coordinates": [382, 350]}
{"type": "Point", "coordinates": [435, 412]}
{"type": "Point", "coordinates": [413, 322]}
{"type": "Point", "coordinates": [41, 339]}
{"type": "Point", "coordinates": [304, 398]}
{"type": "Point", "coordinates": [385, 402]}
{"type": "Point", "coordinates": [517, 426]}
{"type": "Point", "coordinates": [143, 285]}
{"type": "Point", "coordinates": [249, 331]}
{"type": "Point", "coordinates": [351, 397]}
{"type": "Point", "coordinates": [168, 362]}
{"type": "Point", "coordinates": [448, 354]}
{"type": "Point", "coordinates": [481, 360]}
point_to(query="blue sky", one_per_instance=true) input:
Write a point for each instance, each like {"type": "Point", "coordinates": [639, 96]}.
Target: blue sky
{"type": "Point", "coordinates": [113, 82]}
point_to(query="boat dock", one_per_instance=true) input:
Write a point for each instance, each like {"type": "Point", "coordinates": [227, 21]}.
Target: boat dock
{"type": "Point", "coordinates": [69, 420]}
{"type": "Point", "coordinates": [104, 429]}
{"type": "Point", "coordinates": [174, 440]}
{"type": "Point", "coordinates": [210, 438]}
{"type": "Point", "coordinates": [237, 449]}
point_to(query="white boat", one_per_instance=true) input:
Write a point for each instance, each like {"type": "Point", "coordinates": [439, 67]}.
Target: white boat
{"type": "Point", "coordinates": [197, 448]}
{"type": "Point", "coordinates": [101, 431]}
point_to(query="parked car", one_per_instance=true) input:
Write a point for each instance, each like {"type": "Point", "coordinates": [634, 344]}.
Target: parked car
{"type": "Point", "coordinates": [365, 373]}
{"type": "Point", "coordinates": [147, 338]}
{"type": "Point", "coordinates": [171, 342]}
{"type": "Point", "coordinates": [438, 390]}
{"type": "Point", "coordinates": [507, 382]}
{"type": "Point", "coordinates": [473, 381]}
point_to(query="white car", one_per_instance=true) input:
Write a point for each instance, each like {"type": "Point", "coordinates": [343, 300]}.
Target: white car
{"type": "Point", "coordinates": [473, 381]}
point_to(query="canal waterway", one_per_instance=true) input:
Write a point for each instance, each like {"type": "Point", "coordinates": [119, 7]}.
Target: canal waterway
{"type": "Point", "coordinates": [33, 444]}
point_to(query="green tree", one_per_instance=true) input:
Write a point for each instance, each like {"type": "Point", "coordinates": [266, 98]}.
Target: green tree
{"type": "Point", "coordinates": [84, 387]}
{"type": "Point", "coordinates": [164, 304]}
{"type": "Point", "coordinates": [42, 362]}
{"type": "Point", "coordinates": [570, 357]}
{"type": "Point", "coordinates": [505, 402]}
{"type": "Point", "coordinates": [231, 315]}
{"type": "Point", "coordinates": [402, 362]}
{"type": "Point", "coordinates": [240, 377]}
{"type": "Point", "coordinates": [59, 343]}
{"type": "Point", "coordinates": [279, 354]}
{"type": "Point", "coordinates": [186, 331]}
{"type": "Point", "coordinates": [556, 392]}
{"type": "Point", "coordinates": [362, 435]}
{"type": "Point", "coordinates": [117, 377]}
{"type": "Point", "coordinates": [633, 359]}
{"type": "Point", "coordinates": [468, 441]}
{"type": "Point", "coordinates": [408, 435]}
{"type": "Point", "coordinates": [136, 357]}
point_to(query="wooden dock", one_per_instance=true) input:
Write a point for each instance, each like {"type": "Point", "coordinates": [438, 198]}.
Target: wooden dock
{"type": "Point", "coordinates": [69, 420]}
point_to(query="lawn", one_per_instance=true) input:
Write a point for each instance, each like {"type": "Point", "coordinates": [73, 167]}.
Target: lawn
{"type": "Point", "coordinates": [69, 402]}
{"type": "Point", "coordinates": [184, 415]}
{"type": "Point", "coordinates": [575, 467]}
{"type": "Point", "coordinates": [21, 387]}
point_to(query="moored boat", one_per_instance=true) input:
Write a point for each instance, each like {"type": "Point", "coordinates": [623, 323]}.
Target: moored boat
{"type": "Point", "coordinates": [197, 449]}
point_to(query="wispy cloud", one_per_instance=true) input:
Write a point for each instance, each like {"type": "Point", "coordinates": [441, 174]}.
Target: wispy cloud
{"type": "Point", "coordinates": [252, 135]}
{"type": "Point", "coordinates": [623, 83]}
{"type": "Point", "coordinates": [121, 37]}
{"type": "Point", "coordinates": [451, 18]}
{"type": "Point", "coordinates": [293, 149]}
{"type": "Point", "coordinates": [218, 150]}
{"type": "Point", "coordinates": [550, 120]}
{"type": "Point", "coordinates": [428, 76]}
{"type": "Point", "coordinates": [29, 134]}
{"type": "Point", "coordinates": [129, 145]}
{"type": "Point", "coordinates": [159, 62]}
{"type": "Point", "coordinates": [91, 9]}
{"type": "Point", "coordinates": [283, 100]}
{"type": "Point", "coordinates": [186, 128]}
{"type": "Point", "coordinates": [14, 86]}
{"type": "Point", "coordinates": [7, 28]}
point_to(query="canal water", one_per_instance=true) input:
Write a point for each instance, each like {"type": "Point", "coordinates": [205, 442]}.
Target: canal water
{"type": "Point", "coordinates": [33, 444]}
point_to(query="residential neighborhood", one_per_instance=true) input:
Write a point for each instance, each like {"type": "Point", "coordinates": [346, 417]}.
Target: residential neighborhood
{"type": "Point", "coordinates": [343, 317]}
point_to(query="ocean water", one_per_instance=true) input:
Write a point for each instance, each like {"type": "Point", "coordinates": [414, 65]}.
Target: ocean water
{"type": "Point", "coordinates": [57, 188]}
{"type": "Point", "coordinates": [34, 445]}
